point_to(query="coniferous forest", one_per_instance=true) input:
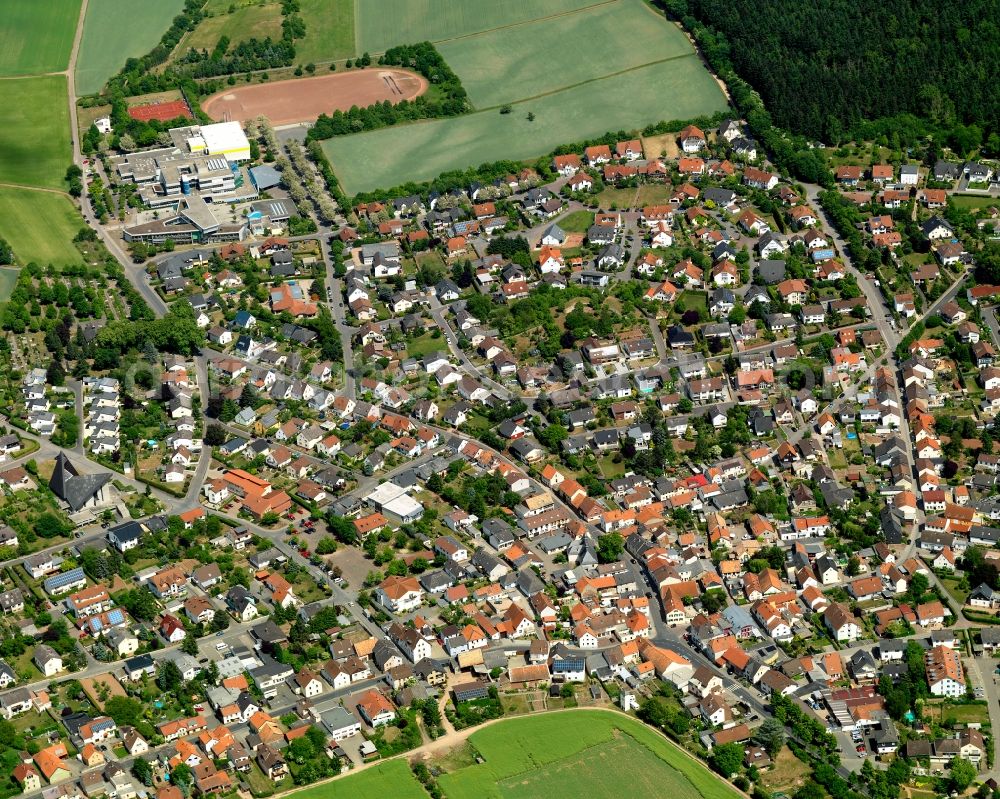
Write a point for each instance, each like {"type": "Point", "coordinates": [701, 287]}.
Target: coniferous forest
{"type": "Point", "coordinates": [824, 66]}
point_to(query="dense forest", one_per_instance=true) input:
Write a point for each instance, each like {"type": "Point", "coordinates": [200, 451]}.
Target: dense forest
{"type": "Point", "coordinates": [824, 67]}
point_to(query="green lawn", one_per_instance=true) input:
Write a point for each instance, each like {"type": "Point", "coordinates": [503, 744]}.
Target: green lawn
{"type": "Point", "coordinates": [385, 23]}
{"type": "Point", "coordinates": [329, 31]}
{"type": "Point", "coordinates": [36, 36]}
{"type": "Point", "coordinates": [390, 779]}
{"type": "Point", "coordinates": [510, 64]}
{"type": "Point", "coordinates": [693, 301]}
{"type": "Point", "coordinates": [576, 222]}
{"type": "Point", "coordinates": [40, 226]}
{"type": "Point", "coordinates": [34, 141]}
{"type": "Point", "coordinates": [107, 43]}
{"type": "Point", "coordinates": [679, 89]}
{"type": "Point", "coordinates": [425, 343]}
{"type": "Point", "coordinates": [565, 755]}
{"type": "Point", "coordinates": [8, 279]}
{"type": "Point", "coordinates": [256, 20]}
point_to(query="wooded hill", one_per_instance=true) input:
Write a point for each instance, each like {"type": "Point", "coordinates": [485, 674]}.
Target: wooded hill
{"type": "Point", "coordinates": [824, 66]}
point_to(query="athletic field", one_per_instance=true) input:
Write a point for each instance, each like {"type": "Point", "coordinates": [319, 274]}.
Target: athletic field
{"type": "Point", "coordinates": [36, 36]}
{"type": "Point", "coordinates": [677, 89]}
{"type": "Point", "coordinates": [108, 43]}
{"type": "Point", "coordinates": [34, 139]}
{"type": "Point", "coordinates": [520, 61]}
{"type": "Point", "coordinates": [40, 226]}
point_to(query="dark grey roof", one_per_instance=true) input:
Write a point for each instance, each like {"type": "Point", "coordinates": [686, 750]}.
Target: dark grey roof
{"type": "Point", "coordinates": [75, 489]}
{"type": "Point", "coordinates": [771, 271]}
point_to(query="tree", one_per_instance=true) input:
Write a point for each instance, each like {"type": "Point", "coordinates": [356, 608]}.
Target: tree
{"type": "Point", "coordinates": [168, 676]}
{"type": "Point", "coordinates": [142, 771]}
{"type": "Point", "coordinates": [770, 735]}
{"type": "Point", "coordinates": [726, 759]}
{"type": "Point", "coordinates": [919, 584]}
{"type": "Point", "coordinates": [713, 601]}
{"type": "Point", "coordinates": [326, 546]}
{"type": "Point", "coordinates": [55, 374]}
{"type": "Point", "coordinates": [182, 776]}
{"type": "Point", "coordinates": [248, 397]}
{"type": "Point", "coordinates": [125, 710]}
{"type": "Point", "coordinates": [215, 435]}
{"type": "Point", "coordinates": [610, 547]}
{"type": "Point", "coordinates": [189, 646]}
{"type": "Point", "coordinates": [962, 774]}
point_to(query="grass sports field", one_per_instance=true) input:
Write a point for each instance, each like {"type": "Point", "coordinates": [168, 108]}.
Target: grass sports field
{"type": "Point", "coordinates": [385, 23]}
{"type": "Point", "coordinates": [107, 43]}
{"type": "Point", "coordinates": [34, 139]}
{"type": "Point", "coordinates": [503, 65]}
{"type": "Point", "coordinates": [329, 31]}
{"type": "Point", "coordinates": [678, 89]}
{"type": "Point", "coordinates": [566, 755]}
{"type": "Point", "coordinates": [40, 226]}
{"type": "Point", "coordinates": [36, 36]}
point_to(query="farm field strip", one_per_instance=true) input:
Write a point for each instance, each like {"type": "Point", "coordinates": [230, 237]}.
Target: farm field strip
{"type": "Point", "coordinates": [39, 225]}
{"type": "Point", "coordinates": [502, 65]}
{"type": "Point", "coordinates": [35, 144]}
{"type": "Point", "coordinates": [565, 755]}
{"type": "Point", "coordinates": [392, 778]}
{"type": "Point", "coordinates": [676, 89]}
{"type": "Point", "coordinates": [107, 44]}
{"type": "Point", "coordinates": [36, 36]}
{"type": "Point", "coordinates": [330, 31]}
{"type": "Point", "coordinates": [382, 24]}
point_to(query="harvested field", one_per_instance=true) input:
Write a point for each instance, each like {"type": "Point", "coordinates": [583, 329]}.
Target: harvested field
{"type": "Point", "coordinates": [304, 99]}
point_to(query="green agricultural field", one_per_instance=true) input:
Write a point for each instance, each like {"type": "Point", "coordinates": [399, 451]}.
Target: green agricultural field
{"type": "Point", "coordinates": [386, 23]}
{"type": "Point", "coordinates": [40, 226]}
{"type": "Point", "coordinates": [36, 36]}
{"type": "Point", "coordinates": [8, 279]}
{"type": "Point", "coordinates": [329, 31]}
{"type": "Point", "coordinates": [107, 44]}
{"type": "Point", "coordinates": [678, 89]}
{"type": "Point", "coordinates": [565, 755]}
{"type": "Point", "coordinates": [390, 779]}
{"type": "Point", "coordinates": [971, 202]}
{"type": "Point", "coordinates": [34, 141]}
{"type": "Point", "coordinates": [256, 21]}
{"type": "Point", "coordinates": [510, 64]}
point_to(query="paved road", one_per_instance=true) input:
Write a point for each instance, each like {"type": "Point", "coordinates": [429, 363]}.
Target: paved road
{"type": "Point", "coordinates": [984, 669]}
